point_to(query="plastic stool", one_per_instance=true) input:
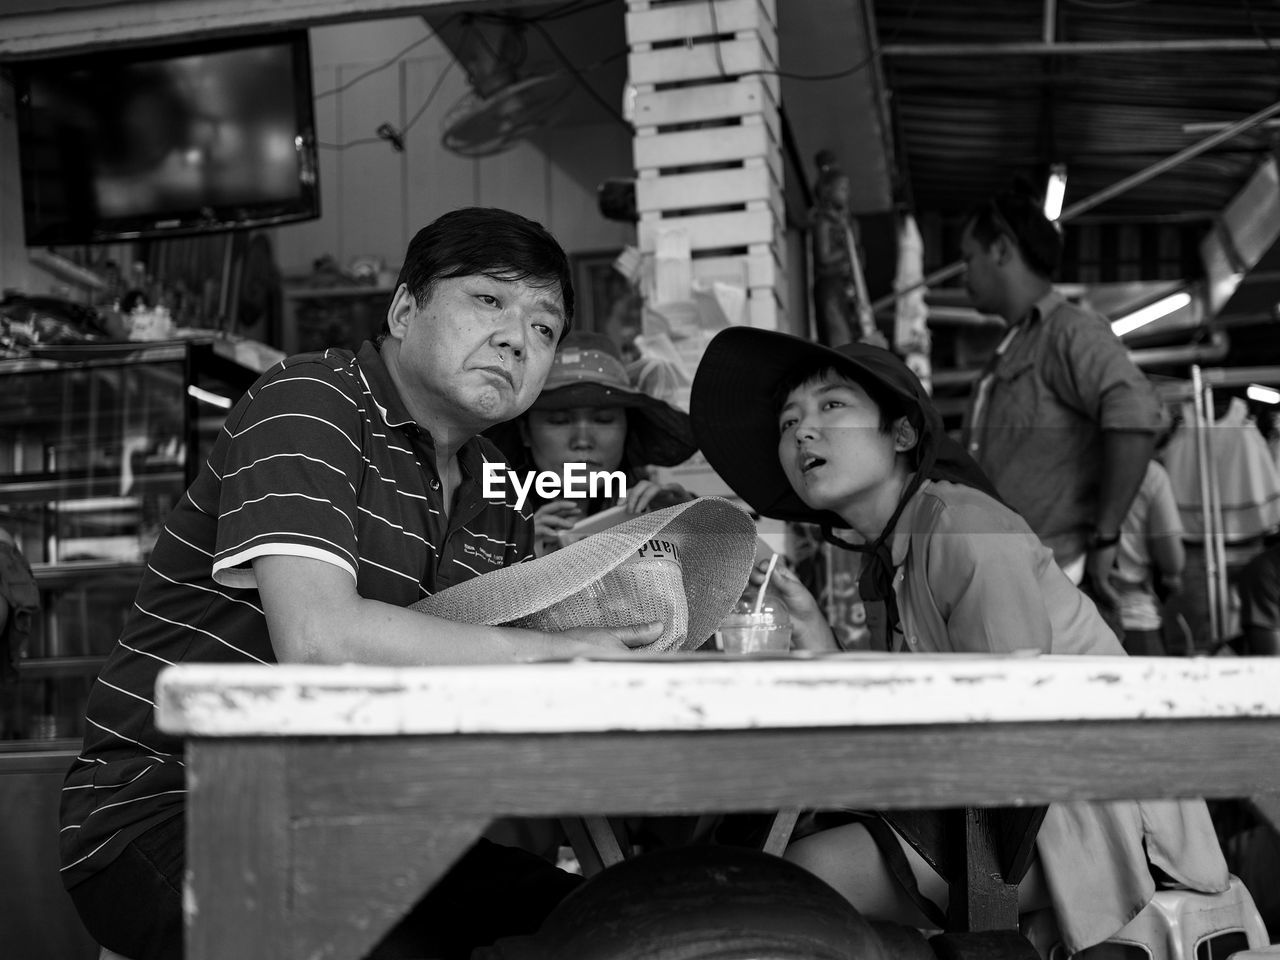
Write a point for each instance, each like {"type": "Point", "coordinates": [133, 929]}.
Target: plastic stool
{"type": "Point", "coordinates": [1175, 925]}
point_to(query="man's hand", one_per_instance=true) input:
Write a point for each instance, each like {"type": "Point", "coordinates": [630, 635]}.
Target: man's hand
{"type": "Point", "coordinates": [1099, 562]}
{"type": "Point", "coordinates": [585, 641]}
{"type": "Point", "coordinates": [809, 628]}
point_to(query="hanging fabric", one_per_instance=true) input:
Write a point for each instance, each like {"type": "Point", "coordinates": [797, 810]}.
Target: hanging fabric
{"type": "Point", "coordinates": [1247, 477]}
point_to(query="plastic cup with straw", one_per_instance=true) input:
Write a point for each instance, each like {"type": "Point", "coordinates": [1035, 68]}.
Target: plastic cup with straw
{"type": "Point", "coordinates": [760, 627]}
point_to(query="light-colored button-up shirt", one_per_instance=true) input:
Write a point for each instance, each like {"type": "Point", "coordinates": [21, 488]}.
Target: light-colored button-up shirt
{"type": "Point", "coordinates": [973, 578]}
{"type": "Point", "coordinates": [1036, 421]}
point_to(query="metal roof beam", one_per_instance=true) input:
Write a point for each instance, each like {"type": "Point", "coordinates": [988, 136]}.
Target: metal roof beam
{"type": "Point", "coordinates": [1076, 47]}
{"type": "Point", "coordinates": [29, 30]}
{"type": "Point", "coordinates": [1114, 190]}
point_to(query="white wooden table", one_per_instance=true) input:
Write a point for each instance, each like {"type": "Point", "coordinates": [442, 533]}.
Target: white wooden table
{"type": "Point", "coordinates": [325, 800]}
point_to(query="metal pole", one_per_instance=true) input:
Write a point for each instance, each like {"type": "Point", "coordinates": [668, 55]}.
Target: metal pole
{"type": "Point", "coordinates": [1219, 542]}
{"type": "Point", "coordinates": [1168, 163]}
{"type": "Point", "coordinates": [942, 273]}
{"type": "Point", "coordinates": [1107, 193]}
{"type": "Point", "coordinates": [1206, 513]}
{"type": "Point", "coordinates": [1050, 20]}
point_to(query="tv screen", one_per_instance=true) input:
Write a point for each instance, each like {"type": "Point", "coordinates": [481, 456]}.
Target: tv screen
{"type": "Point", "coordinates": [157, 141]}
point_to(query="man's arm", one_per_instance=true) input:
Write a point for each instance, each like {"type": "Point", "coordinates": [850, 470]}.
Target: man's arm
{"type": "Point", "coordinates": [1125, 454]}
{"type": "Point", "coordinates": [1168, 558]}
{"type": "Point", "coordinates": [315, 615]}
{"type": "Point", "coordinates": [1164, 535]}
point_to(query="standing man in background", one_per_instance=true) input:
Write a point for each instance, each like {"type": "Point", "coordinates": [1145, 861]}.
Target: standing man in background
{"type": "Point", "coordinates": [1061, 420]}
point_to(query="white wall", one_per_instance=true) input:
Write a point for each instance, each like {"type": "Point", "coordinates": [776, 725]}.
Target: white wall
{"type": "Point", "coordinates": [374, 199]}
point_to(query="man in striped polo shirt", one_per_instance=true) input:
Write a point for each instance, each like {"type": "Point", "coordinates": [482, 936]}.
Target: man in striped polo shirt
{"type": "Point", "coordinates": [342, 488]}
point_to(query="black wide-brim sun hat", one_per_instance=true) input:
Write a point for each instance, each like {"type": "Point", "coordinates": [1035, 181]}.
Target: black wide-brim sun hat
{"type": "Point", "coordinates": [735, 422]}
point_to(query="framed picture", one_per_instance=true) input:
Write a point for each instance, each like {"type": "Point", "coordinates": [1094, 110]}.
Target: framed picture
{"type": "Point", "coordinates": [606, 302]}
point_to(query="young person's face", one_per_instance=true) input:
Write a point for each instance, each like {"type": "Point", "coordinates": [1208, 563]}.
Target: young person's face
{"type": "Point", "coordinates": [831, 446]}
{"type": "Point", "coordinates": [479, 349]}
{"type": "Point", "coordinates": [595, 436]}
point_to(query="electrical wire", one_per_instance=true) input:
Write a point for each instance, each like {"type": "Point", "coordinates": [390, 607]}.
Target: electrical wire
{"type": "Point", "coordinates": [1106, 4]}
{"type": "Point", "coordinates": [577, 74]}
{"type": "Point", "coordinates": [715, 32]}
{"type": "Point", "coordinates": [870, 58]}
{"type": "Point", "coordinates": [1257, 28]}
{"type": "Point", "coordinates": [349, 144]}
{"type": "Point", "coordinates": [430, 97]}
{"type": "Point", "coordinates": [383, 66]}
{"type": "Point", "coordinates": [569, 9]}
{"type": "Point", "coordinates": [408, 124]}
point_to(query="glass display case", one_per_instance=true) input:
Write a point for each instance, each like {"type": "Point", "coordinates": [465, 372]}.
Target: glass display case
{"type": "Point", "coordinates": [97, 443]}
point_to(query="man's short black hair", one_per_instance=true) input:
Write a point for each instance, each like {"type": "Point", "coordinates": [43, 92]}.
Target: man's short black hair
{"type": "Point", "coordinates": [1019, 215]}
{"type": "Point", "coordinates": [486, 241]}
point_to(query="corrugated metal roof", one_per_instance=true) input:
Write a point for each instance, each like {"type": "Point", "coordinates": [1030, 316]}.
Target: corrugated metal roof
{"type": "Point", "coordinates": [965, 125]}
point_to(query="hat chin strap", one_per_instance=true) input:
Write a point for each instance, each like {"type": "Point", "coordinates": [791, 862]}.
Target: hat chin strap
{"type": "Point", "coordinates": [875, 582]}
{"type": "Point", "coordinates": [928, 456]}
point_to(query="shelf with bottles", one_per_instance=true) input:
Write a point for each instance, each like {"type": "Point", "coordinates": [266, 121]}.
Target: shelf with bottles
{"type": "Point", "coordinates": [95, 451]}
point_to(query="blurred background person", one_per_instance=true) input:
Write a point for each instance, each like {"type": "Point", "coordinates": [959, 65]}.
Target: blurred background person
{"type": "Point", "coordinates": [1259, 589]}
{"type": "Point", "coordinates": [1149, 562]}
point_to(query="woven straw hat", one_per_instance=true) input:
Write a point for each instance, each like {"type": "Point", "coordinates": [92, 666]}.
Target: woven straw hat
{"type": "Point", "coordinates": [684, 565]}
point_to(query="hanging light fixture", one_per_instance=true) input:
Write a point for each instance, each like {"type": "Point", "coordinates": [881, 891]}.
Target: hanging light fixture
{"type": "Point", "coordinates": [1055, 191]}
{"type": "Point", "coordinates": [1150, 313]}
{"type": "Point", "coordinates": [1256, 391]}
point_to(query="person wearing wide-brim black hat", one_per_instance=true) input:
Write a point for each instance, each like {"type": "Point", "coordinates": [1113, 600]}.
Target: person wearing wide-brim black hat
{"type": "Point", "coordinates": [847, 438]}
{"type": "Point", "coordinates": [590, 412]}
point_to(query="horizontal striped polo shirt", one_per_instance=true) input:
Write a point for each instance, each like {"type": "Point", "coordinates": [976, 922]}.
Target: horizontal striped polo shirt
{"type": "Point", "coordinates": [319, 459]}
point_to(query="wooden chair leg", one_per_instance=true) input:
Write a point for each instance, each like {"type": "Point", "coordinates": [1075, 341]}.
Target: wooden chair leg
{"type": "Point", "coordinates": [784, 822]}
{"type": "Point", "coordinates": [594, 841]}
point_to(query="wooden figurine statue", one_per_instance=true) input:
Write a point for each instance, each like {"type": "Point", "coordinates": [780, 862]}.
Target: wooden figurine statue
{"type": "Point", "coordinates": [840, 304]}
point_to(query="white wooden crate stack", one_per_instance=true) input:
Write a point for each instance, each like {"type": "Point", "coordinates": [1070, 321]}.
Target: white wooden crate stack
{"type": "Point", "coordinates": [707, 146]}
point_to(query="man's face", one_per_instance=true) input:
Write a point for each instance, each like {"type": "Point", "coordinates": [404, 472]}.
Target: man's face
{"type": "Point", "coordinates": [479, 349]}
{"type": "Point", "coordinates": [831, 447]}
{"type": "Point", "coordinates": [982, 277]}
{"type": "Point", "coordinates": [840, 192]}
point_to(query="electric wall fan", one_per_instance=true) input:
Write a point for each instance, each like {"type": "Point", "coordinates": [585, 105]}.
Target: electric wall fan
{"type": "Point", "coordinates": [503, 105]}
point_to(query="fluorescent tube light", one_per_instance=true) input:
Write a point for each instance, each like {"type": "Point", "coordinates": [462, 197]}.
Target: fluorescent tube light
{"type": "Point", "coordinates": [1262, 394]}
{"type": "Point", "coordinates": [1151, 312]}
{"type": "Point", "coordinates": [1056, 191]}
{"type": "Point", "coordinates": [206, 396]}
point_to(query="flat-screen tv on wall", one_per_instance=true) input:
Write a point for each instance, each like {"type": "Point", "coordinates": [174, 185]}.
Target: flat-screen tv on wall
{"type": "Point", "coordinates": [167, 140]}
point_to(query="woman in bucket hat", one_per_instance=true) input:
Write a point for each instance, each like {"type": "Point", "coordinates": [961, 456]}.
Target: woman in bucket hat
{"type": "Point", "coordinates": [590, 412]}
{"type": "Point", "coordinates": [847, 439]}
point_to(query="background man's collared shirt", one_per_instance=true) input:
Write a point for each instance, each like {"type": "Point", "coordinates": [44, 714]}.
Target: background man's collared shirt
{"type": "Point", "coordinates": [1036, 428]}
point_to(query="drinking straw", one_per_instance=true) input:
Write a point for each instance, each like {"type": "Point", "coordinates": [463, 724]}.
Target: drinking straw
{"type": "Point", "coordinates": [773, 560]}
